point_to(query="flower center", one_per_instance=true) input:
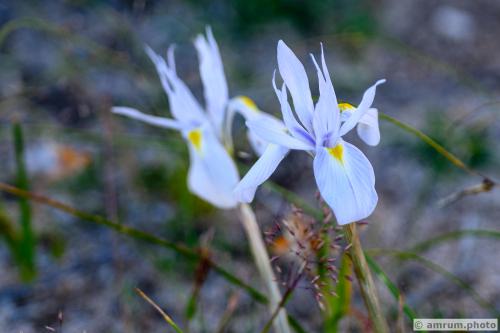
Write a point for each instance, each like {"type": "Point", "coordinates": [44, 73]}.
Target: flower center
{"type": "Point", "coordinates": [194, 137]}
{"type": "Point", "coordinates": [337, 152]}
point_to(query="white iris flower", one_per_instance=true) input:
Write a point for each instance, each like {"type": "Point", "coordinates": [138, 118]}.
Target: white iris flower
{"type": "Point", "coordinates": [212, 173]}
{"type": "Point", "coordinates": [344, 175]}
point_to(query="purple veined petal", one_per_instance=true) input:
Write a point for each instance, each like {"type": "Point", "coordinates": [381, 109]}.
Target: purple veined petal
{"type": "Point", "coordinates": [146, 118]}
{"type": "Point", "coordinates": [326, 116]}
{"type": "Point", "coordinates": [346, 181]}
{"type": "Point", "coordinates": [294, 75]}
{"type": "Point", "coordinates": [293, 126]}
{"type": "Point", "coordinates": [260, 172]}
{"type": "Point", "coordinates": [365, 104]}
{"type": "Point", "coordinates": [212, 173]}
{"type": "Point", "coordinates": [213, 78]}
{"type": "Point", "coordinates": [277, 134]}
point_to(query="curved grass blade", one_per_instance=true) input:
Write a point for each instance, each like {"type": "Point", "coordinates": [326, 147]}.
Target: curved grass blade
{"type": "Point", "coordinates": [453, 235]}
{"type": "Point", "coordinates": [136, 234]}
{"type": "Point", "coordinates": [165, 316]}
{"type": "Point", "coordinates": [393, 289]}
{"type": "Point", "coordinates": [431, 142]}
{"type": "Point", "coordinates": [148, 238]}
{"type": "Point", "coordinates": [406, 255]}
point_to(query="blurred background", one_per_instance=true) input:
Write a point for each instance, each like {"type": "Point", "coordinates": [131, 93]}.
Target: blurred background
{"type": "Point", "coordinates": [63, 64]}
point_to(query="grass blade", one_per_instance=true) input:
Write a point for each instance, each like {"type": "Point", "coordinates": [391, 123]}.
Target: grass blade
{"type": "Point", "coordinates": [26, 244]}
{"type": "Point", "coordinates": [406, 255]}
{"type": "Point", "coordinates": [453, 235]}
{"type": "Point", "coordinates": [165, 316]}
{"type": "Point", "coordinates": [393, 289]}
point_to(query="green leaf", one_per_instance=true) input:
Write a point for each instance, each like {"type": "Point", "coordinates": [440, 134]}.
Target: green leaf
{"type": "Point", "coordinates": [26, 244]}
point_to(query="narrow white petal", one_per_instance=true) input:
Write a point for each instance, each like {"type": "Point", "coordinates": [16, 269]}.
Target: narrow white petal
{"type": "Point", "coordinates": [183, 105]}
{"type": "Point", "coordinates": [293, 73]}
{"type": "Point", "coordinates": [260, 172]}
{"type": "Point", "coordinates": [213, 78]}
{"type": "Point", "coordinates": [152, 120]}
{"type": "Point", "coordinates": [326, 120]}
{"type": "Point", "coordinates": [365, 104]}
{"type": "Point", "coordinates": [368, 129]}
{"type": "Point", "coordinates": [258, 144]}
{"type": "Point", "coordinates": [346, 181]}
{"type": "Point", "coordinates": [288, 117]}
{"type": "Point", "coordinates": [279, 135]}
{"type": "Point", "coordinates": [212, 173]}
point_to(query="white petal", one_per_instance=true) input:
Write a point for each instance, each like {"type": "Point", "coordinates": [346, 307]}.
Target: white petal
{"type": "Point", "coordinates": [260, 172]}
{"type": "Point", "coordinates": [213, 78]}
{"type": "Point", "coordinates": [212, 173]}
{"type": "Point", "coordinates": [365, 104]}
{"type": "Point", "coordinates": [295, 77]}
{"type": "Point", "coordinates": [152, 120]}
{"type": "Point", "coordinates": [258, 144]}
{"type": "Point", "coordinates": [277, 134]}
{"type": "Point", "coordinates": [367, 128]}
{"type": "Point", "coordinates": [183, 105]}
{"type": "Point", "coordinates": [326, 120]}
{"type": "Point", "coordinates": [244, 106]}
{"type": "Point", "coordinates": [347, 183]}
{"type": "Point", "coordinates": [293, 126]}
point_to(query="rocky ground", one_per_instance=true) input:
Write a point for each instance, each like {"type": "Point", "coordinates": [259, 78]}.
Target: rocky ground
{"type": "Point", "coordinates": [67, 62]}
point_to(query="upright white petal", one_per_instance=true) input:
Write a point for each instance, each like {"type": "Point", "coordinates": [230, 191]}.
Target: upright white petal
{"type": "Point", "coordinates": [260, 172]}
{"type": "Point", "coordinates": [367, 128]}
{"type": "Point", "coordinates": [346, 181]}
{"type": "Point", "coordinates": [326, 117]}
{"type": "Point", "coordinates": [293, 126]}
{"type": "Point", "coordinates": [279, 135]}
{"type": "Point", "coordinates": [293, 73]}
{"type": "Point", "coordinates": [213, 78]}
{"type": "Point", "coordinates": [212, 173]}
{"type": "Point", "coordinates": [183, 105]}
{"type": "Point", "coordinates": [149, 119]}
{"type": "Point", "coordinates": [365, 104]}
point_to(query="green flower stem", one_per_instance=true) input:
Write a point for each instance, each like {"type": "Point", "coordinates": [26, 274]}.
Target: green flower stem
{"type": "Point", "coordinates": [368, 290]}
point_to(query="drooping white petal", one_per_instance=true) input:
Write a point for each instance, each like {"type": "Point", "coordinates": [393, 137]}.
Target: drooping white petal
{"type": "Point", "coordinates": [293, 73]}
{"type": "Point", "coordinates": [365, 104]}
{"type": "Point", "coordinates": [326, 114]}
{"type": "Point", "coordinates": [149, 119]}
{"type": "Point", "coordinates": [260, 172]}
{"type": "Point", "coordinates": [212, 173]}
{"type": "Point", "coordinates": [346, 181]}
{"type": "Point", "coordinates": [183, 105]}
{"type": "Point", "coordinates": [279, 135]}
{"type": "Point", "coordinates": [367, 128]}
{"type": "Point", "coordinates": [249, 110]}
{"type": "Point", "coordinates": [213, 78]}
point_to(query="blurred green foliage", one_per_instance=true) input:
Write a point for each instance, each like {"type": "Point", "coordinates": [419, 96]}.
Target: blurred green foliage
{"type": "Point", "coordinates": [472, 144]}
{"type": "Point", "coordinates": [309, 17]}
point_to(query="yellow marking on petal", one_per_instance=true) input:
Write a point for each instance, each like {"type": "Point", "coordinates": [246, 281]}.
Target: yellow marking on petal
{"type": "Point", "coordinates": [249, 103]}
{"type": "Point", "coordinates": [346, 106]}
{"type": "Point", "coordinates": [195, 137]}
{"type": "Point", "coordinates": [337, 152]}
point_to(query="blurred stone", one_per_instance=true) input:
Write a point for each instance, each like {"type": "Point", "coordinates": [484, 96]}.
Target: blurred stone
{"type": "Point", "coordinates": [453, 23]}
